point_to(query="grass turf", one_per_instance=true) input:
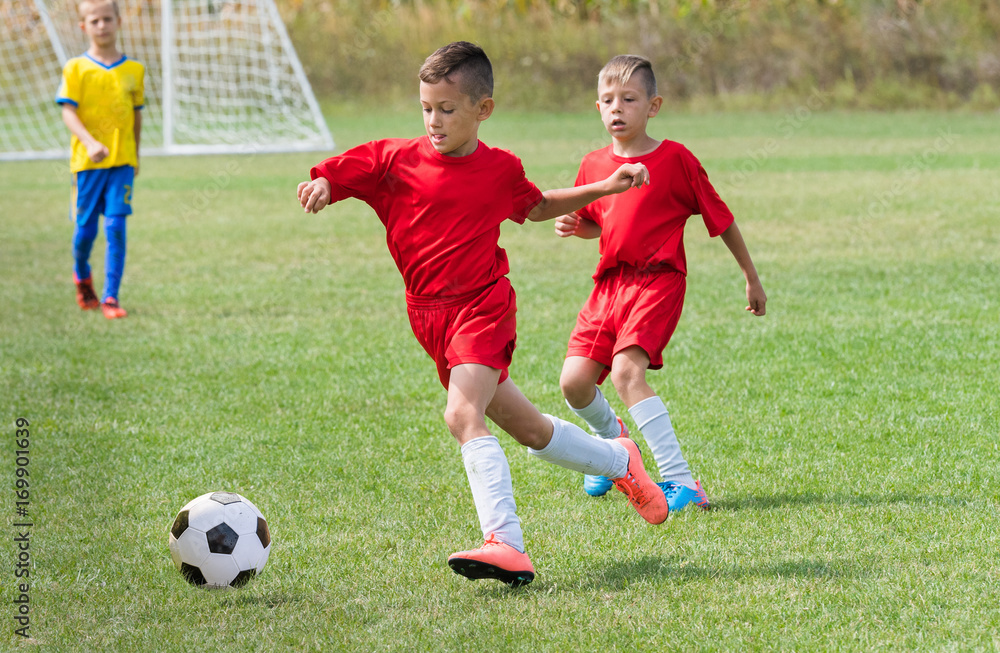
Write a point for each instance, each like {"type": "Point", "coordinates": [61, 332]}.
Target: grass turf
{"type": "Point", "coordinates": [848, 440]}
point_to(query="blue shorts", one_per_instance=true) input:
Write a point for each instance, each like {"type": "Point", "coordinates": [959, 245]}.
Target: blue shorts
{"type": "Point", "coordinates": [107, 191]}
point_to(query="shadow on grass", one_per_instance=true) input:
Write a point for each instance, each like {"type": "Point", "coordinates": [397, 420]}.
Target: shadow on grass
{"type": "Point", "coordinates": [839, 499]}
{"type": "Point", "coordinates": [620, 575]}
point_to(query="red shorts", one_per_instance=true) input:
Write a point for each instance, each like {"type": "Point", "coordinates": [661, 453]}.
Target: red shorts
{"type": "Point", "coordinates": [478, 327]}
{"type": "Point", "coordinates": [629, 307]}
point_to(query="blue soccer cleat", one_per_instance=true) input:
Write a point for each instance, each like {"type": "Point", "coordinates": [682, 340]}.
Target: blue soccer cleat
{"type": "Point", "coordinates": [680, 496]}
{"type": "Point", "coordinates": [598, 486]}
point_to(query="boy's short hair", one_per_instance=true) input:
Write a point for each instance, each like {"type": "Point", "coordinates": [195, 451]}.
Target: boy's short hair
{"type": "Point", "coordinates": [83, 5]}
{"type": "Point", "coordinates": [621, 68]}
{"type": "Point", "coordinates": [468, 61]}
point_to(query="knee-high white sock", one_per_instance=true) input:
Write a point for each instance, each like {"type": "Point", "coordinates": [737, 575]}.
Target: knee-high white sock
{"type": "Point", "coordinates": [573, 448]}
{"type": "Point", "coordinates": [600, 416]}
{"type": "Point", "coordinates": [492, 489]}
{"type": "Point", "coordinates": [651, 417]}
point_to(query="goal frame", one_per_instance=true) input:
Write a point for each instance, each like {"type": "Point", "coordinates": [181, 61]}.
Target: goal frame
{"type": "Point", "coordinates": [168, 51]}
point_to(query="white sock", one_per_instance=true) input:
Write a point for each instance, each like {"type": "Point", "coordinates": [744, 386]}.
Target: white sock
{"type": "Point", "coordinates": [492, 489]}
{"type": "Point", "coordinates": [654, 422]}
{"type": "Point", "coordinates": [600, 416]}
{"type": "Point", "coordinates": [573, 448]}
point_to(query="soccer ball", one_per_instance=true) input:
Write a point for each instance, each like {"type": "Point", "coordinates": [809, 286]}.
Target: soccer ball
{"type": "Point", "coordinates": [219, 540]}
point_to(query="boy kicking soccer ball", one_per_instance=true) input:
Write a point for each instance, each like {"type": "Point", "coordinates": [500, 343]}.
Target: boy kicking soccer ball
{"type": "Point", "coordinates": [636, 303]}
{"type": "Point", "coordinates": [442, 198]}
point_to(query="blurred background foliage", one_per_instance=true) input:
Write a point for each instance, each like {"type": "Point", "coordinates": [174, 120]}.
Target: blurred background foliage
{"type": "Point", "coordinates": [708, 54]}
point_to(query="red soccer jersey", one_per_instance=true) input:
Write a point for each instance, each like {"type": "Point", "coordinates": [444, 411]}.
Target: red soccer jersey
{"type": "Point", "coordinates": [442, 214]}
{"type": "Point", "coordinates": [644, 228]}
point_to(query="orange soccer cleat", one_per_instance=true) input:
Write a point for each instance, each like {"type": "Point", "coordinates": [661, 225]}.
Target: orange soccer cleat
{"type": "Point", "coordinates": [644, 495]}
{"type": "Point", "coordinates": [85, 295]}
{"type": "Point", "coordinates": [494, 560]}
{"type": "Point", "coordinates": [112, 309]}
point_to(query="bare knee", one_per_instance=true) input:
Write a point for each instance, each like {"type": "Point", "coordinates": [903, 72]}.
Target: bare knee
{"type": "Point", "coordinates": [578, 391]}
{"type": "Point", "coordinates": [629, 380]}
{"type": "Point", "coordinates": [464, 422]}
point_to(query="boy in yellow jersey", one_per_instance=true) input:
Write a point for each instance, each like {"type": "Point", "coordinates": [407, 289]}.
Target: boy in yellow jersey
{"type": "Point", "coordinates": [101, 96]}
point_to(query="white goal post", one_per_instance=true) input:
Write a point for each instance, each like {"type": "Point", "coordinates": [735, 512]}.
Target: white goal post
{"type": "Point", "coordinates": [222, 76]}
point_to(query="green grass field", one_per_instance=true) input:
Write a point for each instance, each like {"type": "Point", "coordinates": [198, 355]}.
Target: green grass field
{"type": "Point", "coordinates": [848, 439]}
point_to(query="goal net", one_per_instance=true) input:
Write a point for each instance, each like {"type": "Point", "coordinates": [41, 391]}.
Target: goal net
{"type": "Point", "coordinates": [221, 76]}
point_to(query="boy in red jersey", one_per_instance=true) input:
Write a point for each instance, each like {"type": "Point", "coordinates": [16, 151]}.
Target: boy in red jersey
{"type": "Point", "coordinates": [442, 199]}
{"type": "Point", "coordinates": [639, 285]}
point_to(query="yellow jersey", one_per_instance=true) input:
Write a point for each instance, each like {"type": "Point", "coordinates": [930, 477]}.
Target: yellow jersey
{"type": "Point", "coordinates": [105, 97]}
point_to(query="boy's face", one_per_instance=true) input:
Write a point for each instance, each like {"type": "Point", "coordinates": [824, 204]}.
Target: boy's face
{"type": "Point", "coordinates": [625, 108]}
{"type": "Point", "coordinates": [100, 23]}
{"type": "Point", "coordinates": [451, 118]}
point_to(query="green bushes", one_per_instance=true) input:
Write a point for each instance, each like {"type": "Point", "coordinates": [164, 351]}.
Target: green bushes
{"type": "Point", "coordinates": [746, 53]}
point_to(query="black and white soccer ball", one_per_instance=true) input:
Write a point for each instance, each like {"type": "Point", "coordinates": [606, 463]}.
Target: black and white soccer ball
{"type": "Point", "coordinates": [219, 540]}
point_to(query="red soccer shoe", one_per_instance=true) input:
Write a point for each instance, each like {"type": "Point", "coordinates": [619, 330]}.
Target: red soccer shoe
{"type": "Point", "coordinates": [644, 495]}
{"type": "Point", "coordinates": [112, 309]}
{"type": "Point", "coordinates": [495, 560]}
{"type": "Point", "coordinates": [85, 295]}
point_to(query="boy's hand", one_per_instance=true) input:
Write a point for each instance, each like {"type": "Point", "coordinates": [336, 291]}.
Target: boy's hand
{"type": "Point", "coordinates": [629, 175]}
{"type": "Point", "coordinates": [572, 224]}
{"type": "Point", "coordinates": [756, 298]}
{"type": "Point", "coordinates": [314, 195]}
{"type": "Point", "coordinates": [566, 225]}
{"type": "Point", "coordinates": [97, 151]}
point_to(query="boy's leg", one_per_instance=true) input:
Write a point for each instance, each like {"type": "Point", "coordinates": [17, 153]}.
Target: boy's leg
{"type": "Point", "coordinates": [678, 484]}
{"type": "Point", "coordinates": [118, 205]}
{"type": "Point", "coordinates": [502, 555]}
{"type": "Point", "coordinates": [87, 206]}
{"type": "Point", "coordinates": [83, 243]}
{"type": "Point", "coordinates": [628, 372]}
{"type": "Point", "coordinates": [579, 386]}
{"type": "Point", "coordinates": [567, 445]}
{"type": "Point", "coordinates": [578, 382]}
{"type": "Point", "coordinates": [650, 414]}
{"type": "Point", "coordinates": [114, 263]}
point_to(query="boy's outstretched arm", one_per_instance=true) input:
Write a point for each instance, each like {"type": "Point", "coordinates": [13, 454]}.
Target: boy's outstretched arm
{"type": "Point", "coordinates": [572, 224]}
{"type": "Point", "coordinates": [755, 291]}
{"type": "Point", "coordinates": [566, 200]}
{"type": "Point", "coordinates": [314, 195]}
